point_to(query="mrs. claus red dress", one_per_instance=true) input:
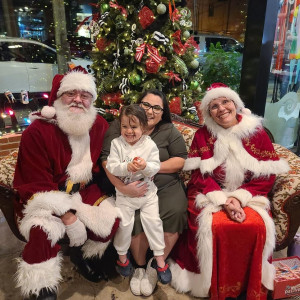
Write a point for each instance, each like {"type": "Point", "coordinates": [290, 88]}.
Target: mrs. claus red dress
{"type": "Point", "coordinates": [217, 257]}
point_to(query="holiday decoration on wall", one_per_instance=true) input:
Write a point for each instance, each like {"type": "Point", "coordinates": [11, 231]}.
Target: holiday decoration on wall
{"type": "Point", "coordinates": [140, 45]}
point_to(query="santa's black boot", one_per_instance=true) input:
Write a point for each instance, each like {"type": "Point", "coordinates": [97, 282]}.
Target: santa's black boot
{"type": "Point", "coordinates": [85, 267]}
{"type": "Point", "coordinates": [44, 294]}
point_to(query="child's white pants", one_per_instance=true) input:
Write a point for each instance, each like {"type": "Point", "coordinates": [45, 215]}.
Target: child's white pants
{"type": "Point", "coordinates": [151, 222]}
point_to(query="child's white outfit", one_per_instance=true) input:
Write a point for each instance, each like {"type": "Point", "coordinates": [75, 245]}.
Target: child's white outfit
{"type": "Point", "coordinates": [121, 153]}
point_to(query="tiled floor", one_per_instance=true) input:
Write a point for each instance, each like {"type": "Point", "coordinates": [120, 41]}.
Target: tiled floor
{"type": "Point", "coordinates": [74, 286]}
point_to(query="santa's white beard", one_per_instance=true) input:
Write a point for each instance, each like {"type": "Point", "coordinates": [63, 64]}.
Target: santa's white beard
{"type": "Point", "coordinates": [74, 123]}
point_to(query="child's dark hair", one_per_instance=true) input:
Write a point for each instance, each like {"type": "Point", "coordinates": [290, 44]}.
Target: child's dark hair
{"type": "Point", "coordinates": [134, 110]}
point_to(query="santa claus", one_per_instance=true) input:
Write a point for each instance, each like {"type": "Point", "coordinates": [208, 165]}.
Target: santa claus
{"type": "Point", "coordinates": [55, 179]}
{"type": "Point", "coordinates": [225, 251]}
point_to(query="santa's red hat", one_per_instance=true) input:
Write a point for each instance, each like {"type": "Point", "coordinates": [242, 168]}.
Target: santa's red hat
{"type": "Point", "coordinates": [217, 90]}
{"type": "Point", "coordinates": [77, 79]}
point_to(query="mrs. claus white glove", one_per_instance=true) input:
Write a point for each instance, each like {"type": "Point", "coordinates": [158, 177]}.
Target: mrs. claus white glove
{"type": "Point", "coordinates": [76, 233]}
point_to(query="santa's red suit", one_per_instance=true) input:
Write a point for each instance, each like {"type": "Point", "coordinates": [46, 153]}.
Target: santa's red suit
{"type": "Point", "coordinates": [55, 174]}
{"type": "Point", "coordinates": [217, 256]}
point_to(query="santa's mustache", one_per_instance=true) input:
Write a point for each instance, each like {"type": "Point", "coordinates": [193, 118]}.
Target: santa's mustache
{"type": "Point", "coordinates": [77, 105]}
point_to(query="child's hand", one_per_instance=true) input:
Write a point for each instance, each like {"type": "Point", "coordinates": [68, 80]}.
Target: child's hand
{"type": "Point", "coordinates": [131, 167]}
{"type": "Point", "coordinates": [139, 163]}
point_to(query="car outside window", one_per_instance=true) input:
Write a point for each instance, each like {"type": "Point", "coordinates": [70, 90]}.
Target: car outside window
{"type": "Point", "coordinates": [38, 54]}
{"type": "Point", "coordinates": [12, 51]}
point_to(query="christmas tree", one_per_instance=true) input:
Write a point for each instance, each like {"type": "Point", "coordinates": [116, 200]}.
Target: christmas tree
{"type": "Point", "coordinates": [141, 45]}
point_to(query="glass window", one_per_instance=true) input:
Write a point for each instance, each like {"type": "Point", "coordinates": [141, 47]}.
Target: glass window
{"type": "Point", "coordinates": [223, 22]}
{"type": "Point", "coordinates": [12, 51]}
{"type": "Point", "coordinates": [37, 53]}
{"type": "Point", "coordinates": [283, 99]}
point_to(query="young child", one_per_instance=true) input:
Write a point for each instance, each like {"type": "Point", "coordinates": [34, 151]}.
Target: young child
{"type": "Point", "coordinates": [135, 157]}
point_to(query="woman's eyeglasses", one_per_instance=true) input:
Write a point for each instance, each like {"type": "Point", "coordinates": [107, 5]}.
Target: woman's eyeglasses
{"type": "Point", "coordinates": [83, 95]}
{"type": "Point", "coordinates": [225, 103]}
{"type": "Point", "coordinates": [155, 108]}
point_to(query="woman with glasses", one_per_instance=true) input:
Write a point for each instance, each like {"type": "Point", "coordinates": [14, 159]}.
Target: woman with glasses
{"type": "Point", "coordinates": [171, 193]}
{"type": "Point", "coordinates": [226, 249]}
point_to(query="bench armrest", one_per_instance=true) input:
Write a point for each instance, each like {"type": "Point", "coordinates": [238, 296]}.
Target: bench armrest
{"type": "Point", "coordinates": [285, 199]}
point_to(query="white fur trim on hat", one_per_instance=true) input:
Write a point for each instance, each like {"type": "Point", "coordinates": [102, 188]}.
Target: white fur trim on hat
{"type": "Point", "coordinates": [78, 81]}
{"type": "Point", "coordinates": [48, 112]}
{"type": "Point", "coordinates": [215, 93]}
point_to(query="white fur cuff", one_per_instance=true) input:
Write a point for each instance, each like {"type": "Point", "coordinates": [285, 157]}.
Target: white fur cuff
{"type": "Point", "coordinates": [99, 219]}
{"type": "Point", "coordinates": [41, 211]}
{"type": "Point", "coordinates": [242, 195]}
{"type": "Point", "coordinates": [31, 278]}
{"type": "Point", "coordinates": [192, 163]}
{"type": "Point", "coordinates": [268, 275]}
{"type": "Point", "coordinates": [185, 281]}
{"type": "Point", "coordinates": [56, 202]}
{"type": "Point", "coordinates": [93, 248]}
{"type": "Point", "coordinates": [217, 197]}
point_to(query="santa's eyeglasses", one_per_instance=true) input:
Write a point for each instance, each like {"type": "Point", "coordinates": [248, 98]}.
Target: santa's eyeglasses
{"type": "Point", "coordinates": [82, 95]}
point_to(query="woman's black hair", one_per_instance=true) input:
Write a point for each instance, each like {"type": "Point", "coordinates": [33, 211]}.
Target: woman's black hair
{"type": "Point", "coordinates": [166, 116]}
{"type": "Point", "coordinates": [134, 110]}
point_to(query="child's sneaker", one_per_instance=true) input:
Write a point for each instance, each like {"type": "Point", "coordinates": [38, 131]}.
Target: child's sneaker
{"type": "Point", "coordinates": [164, 274]}
{"type": "Point", "coordinates": [135, 282]}
{"type": "Point", "coordinates": [125, 269]}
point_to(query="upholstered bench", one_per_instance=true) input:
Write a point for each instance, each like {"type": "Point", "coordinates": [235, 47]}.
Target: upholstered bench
{"type": "Point", "coordinates": [285, 195]}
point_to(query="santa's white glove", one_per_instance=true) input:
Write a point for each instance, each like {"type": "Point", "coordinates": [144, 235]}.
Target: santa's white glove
{"type": "Point", "coordinates": [76, 233]}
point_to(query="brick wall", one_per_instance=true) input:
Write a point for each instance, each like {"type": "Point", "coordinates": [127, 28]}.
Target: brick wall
{"type": "Point", "coordinates": [9, 143]}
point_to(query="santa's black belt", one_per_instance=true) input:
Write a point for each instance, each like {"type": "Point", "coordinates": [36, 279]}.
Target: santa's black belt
{"type": "Point", "coordinates": [71, 187]}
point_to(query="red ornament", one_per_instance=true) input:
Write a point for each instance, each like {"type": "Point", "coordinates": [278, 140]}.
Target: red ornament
{"type": "Point", "coordinates": [110, 98]}
{"type": "Point", "coordinates": [173, 77]}
{"type": "Point", "coordinates": [177, 44]}
{"type": "Point", "coordinates": [175, 105]}
{"type": "Point", "coordinates": [152, 66]}
{"type": "Point", "coordinates": [146, 17]}
{"type": "Point", "coordinates": [102, 43]}
{"type": "Point", "coordinates": [121, 8]}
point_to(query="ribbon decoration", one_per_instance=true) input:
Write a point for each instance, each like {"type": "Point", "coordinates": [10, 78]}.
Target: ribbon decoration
{"type": "Point", "coordinates": [112, 111]}
{"type": "Point", "coordinates": [184, 101]}
{"type": "Point", "coordinates": [124, 85]}
{"type": "Point", "coordinates": [173, 77]}
{"type": "Point", "coordinates": [102, 18]}
{"type": "Point", "coordinates": [151, 66]}
{"type": "Point", "coordinates": [110, 98]}
{"type": "Point", "coordinates": [184, 85]}
{"type": "Point", "coordinates": [174, 15]}
{"type": "Point", "coordinates": [153, 52]}
{"type": "Point", "coordinates": [95, 27]}
{"type": "Point", "coordinates": [140, 50]}
{"type": "Point", "coordinates": [178, 47]}
{"type": "Point", "coordinates": [181, 48]}
{"type": "Point", "coordinates": [133, 28]}
{"type": "Point", "coordinates": [160, 37]}
{"type": "Point", "coordinates": [95, 17]}
{"type": "Point", "coordinates": [117, 6]}
{"type": "Point", "coordinates": [116, 61]}
{"type": "Point", "coordinates": [191, 42]}
{"type": "Point", "coordinates": [155, 60]}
